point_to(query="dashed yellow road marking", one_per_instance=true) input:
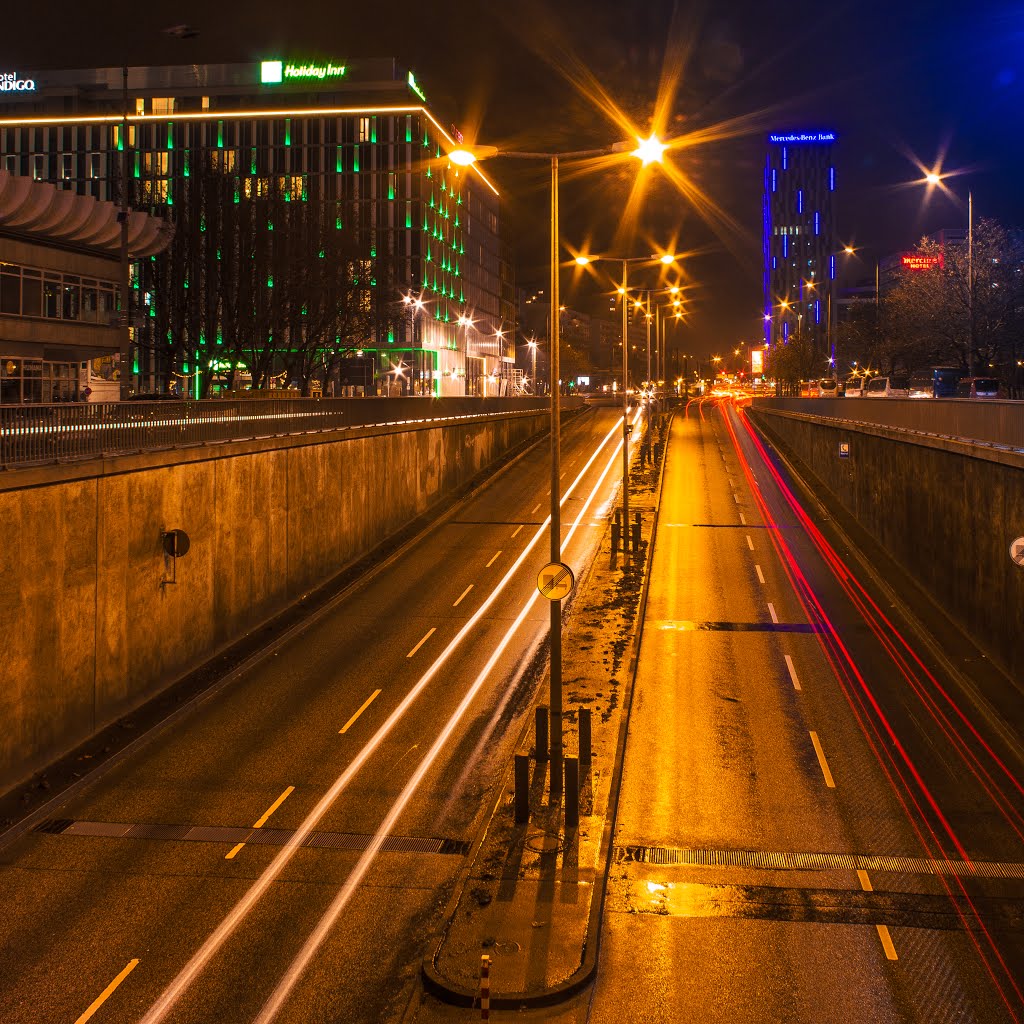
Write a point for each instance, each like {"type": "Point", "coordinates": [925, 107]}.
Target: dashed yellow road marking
{"type": "Point", "coordinates": [107, 992]}
{"type": "Point", "coordinates": [262, 820]}
{"type": "Point", "coordinates": [882, 929]}
{"type": "Point", "coordinates": [462, 595]}
{"type": "Point", "coordinates": [430, 632]}
{"type": "Point", "coordinates": [366, 703]}
{"type": "Point", "coordinates": [493, 560]}
{"type": "Point", "coordinates": [829, 781]}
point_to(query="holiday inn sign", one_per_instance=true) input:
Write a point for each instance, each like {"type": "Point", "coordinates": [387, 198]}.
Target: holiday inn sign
{"type": "Point", "coordinates": [275, 71]}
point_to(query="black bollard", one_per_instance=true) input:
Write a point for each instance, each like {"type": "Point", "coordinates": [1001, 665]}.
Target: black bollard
{"type": "Point", "coordinates": [636, 533]}
{"type": "Point", "coordinates": [522, 789]}
{"type": "Point", "coordinates": [572, 793]}
{"type": "Point", "coordinates": [585, 739]}
{"type": "Point", "coordinates": [542, 733]}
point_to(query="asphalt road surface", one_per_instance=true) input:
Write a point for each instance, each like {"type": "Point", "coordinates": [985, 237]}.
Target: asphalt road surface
{"type": "Point", "coordinates": [776, 725]}
{"type": "Point", "coordinates": [168, 889]}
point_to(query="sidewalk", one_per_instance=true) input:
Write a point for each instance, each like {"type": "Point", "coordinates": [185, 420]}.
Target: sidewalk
{"type": "Point", "coordinates": [532, 896]}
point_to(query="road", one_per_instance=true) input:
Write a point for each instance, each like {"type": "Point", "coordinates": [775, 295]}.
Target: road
{"type": "Point", "coordinates": [177, 886]}
{"type": "Point", "coordinates": [791, 768]}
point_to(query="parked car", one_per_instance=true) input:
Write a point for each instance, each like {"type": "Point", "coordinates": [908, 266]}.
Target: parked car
{"type": "Point", "coordinates": [893, 386]}
{"type": "Point", "coordinates": [935, 382]}
{"type": "Point", "coordinates": [978, 387]}
{"type": "Point", "coordinates": [854, 387]}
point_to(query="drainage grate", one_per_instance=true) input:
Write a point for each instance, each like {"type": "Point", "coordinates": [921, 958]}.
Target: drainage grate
{"type": "Point", "coordinates": [253, 836]}
{"type": "Point", "coordinates": [777, 861]}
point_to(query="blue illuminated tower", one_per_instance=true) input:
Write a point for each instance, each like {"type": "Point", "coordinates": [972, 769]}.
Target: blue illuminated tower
{"type": "Point", "coordinates": [799, 237]}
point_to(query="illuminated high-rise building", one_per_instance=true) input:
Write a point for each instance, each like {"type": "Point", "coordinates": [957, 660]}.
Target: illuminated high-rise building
{"type": "Point", "coordinates": [799, 249]}
{"type": "Point", "coordinates": [353, 137]}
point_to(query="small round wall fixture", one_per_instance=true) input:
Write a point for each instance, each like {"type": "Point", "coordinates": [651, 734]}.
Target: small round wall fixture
{"type": "Point", "coordinates": [176, 543]}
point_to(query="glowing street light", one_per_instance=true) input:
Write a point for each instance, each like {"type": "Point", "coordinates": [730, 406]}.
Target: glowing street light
{"type": "Point", "coordinates": [648, 151]}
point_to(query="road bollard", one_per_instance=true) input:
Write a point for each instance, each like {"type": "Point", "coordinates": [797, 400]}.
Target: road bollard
{"type": "Point", "coordinates": [541, 720]}
{"type": "Point", "coordinates": [585, 735]}
{"type": "Point", "coordinates": [616, 536]}
{"type": "Point", "coordinates": [485, 987]}
{"type": "Point", "coordinates": [572, 793]}
{"type": "Point", "coordinates": [636, 533]}
{"type": "Point", "coordinates": [522, 789]}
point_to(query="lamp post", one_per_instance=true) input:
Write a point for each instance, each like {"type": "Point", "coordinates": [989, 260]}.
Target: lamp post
{"type": "Point", "coordinates": [647, 150]}
{"type": "Point", "coordinates": [532, 345]}
{"type": "Point", "coordinates": [665, 259]}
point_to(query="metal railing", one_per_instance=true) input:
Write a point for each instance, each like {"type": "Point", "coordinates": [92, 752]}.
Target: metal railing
{"type": "Point", "coordinates": [33, 434]}
{"type": "Point", "coordinates": [990, 422]}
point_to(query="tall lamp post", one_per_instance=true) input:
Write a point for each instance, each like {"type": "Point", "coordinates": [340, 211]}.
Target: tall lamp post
{"type": "Point", "coordinates": [665, 259]}
{"type": "Point", "coordinates": [532, 345]}
{"type": "Point", "coordinates": [648, 151]}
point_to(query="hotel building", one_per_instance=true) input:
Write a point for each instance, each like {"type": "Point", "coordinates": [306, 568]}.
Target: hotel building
{"type": "Point", "coordinates": [354, 137]}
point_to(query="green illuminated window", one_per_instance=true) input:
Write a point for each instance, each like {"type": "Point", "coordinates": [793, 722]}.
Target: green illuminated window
{"type": "Point", "coordinates": [408, 213]}
{"type": "Point", "coordinates": [270, 281]}
{"type": "Point", "coordinates": [373, 129]}
{"type": "Point", "coordinates": [220, 134]}
{"type": "Point", "coordinates": [287, 131]}
{"type": "Point", "coordinates": [408, 128]}
{"type": "Point", "coordinates": [391, 185]}
{"type": "Point", "coordinates": [339, 165]}
{"type": "Point", "coordinates": [355, 160]}
{"type": "Point", "coordinates": [170, 135]}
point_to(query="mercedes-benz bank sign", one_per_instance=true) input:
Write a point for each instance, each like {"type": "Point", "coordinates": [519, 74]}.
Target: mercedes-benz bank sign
{"type": "Point", "coordinates": [10, 82]}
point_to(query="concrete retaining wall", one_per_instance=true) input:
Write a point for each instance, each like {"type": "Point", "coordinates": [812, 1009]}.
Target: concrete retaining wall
{"type": "Point", "coordinates": [946, 511]}
{"type": "Point", "coordinates": [90, 632]}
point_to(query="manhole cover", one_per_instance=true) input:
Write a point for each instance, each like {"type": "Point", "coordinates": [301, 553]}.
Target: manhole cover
{"type": "Point", "coordinates": [544, 843]}
{"type": "Point", "coordinates": [508, 948]}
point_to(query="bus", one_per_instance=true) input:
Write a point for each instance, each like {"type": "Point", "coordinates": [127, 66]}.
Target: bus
{"type": "Point", "coordinates": [935, 382]}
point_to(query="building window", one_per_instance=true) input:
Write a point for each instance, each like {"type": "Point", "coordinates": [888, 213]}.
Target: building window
{"type": "Point", "coordinates": [140, 106]}
{"type": "Point", "coordinates": [39, 168]}
{"type": "Point", "coordinates": [95, 165]}
{"type": "Point", "coordinates": [11, 163]}
{"type": "Point", "coordinates": [163, 105]}
{"type": "Point", "coordinates": [364, 129]}
{"type": "Point", "coordinates": [67, 169]}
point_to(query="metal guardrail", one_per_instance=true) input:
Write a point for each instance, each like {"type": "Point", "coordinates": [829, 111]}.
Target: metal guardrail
{"type": "Point", "coordinates": [990, 422]}
{"type": "Point", "coordinates": [33, 434]}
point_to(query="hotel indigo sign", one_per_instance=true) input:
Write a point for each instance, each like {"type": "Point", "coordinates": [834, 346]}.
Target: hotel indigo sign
{"type": "Point", "coordinates": [10, 82]}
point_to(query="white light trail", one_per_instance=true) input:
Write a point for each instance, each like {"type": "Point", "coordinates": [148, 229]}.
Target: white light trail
{"type": "Point", "coordinates": [169, 997]}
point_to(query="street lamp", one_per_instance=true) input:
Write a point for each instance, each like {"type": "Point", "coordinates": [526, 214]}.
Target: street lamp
{"type": "Point", "coordinates": [665, 259]}
{"type": "Point", "coordinates": [532, 345]}
{"type": "Point", "coordinates": [646, 150]}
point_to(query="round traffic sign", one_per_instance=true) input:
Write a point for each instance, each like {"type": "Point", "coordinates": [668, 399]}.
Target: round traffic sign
{"type": "Point", "coordinates": [1017, 550]}
{"type": "Point", "coordinates": [555, 581]}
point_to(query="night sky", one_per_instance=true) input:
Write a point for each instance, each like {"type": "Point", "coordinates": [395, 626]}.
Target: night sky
{"type": "Point", "coordinates": [892, 79]}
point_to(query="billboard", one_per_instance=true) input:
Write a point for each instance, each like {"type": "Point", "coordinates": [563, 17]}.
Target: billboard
{"type": "Point", "coordinates": [757, 361]}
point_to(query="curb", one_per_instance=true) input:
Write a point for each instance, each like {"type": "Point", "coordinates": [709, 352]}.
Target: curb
{"type": "Point", "coordinates": [458, 995]}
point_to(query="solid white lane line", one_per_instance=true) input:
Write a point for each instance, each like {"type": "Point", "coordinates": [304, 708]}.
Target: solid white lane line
{"type": "Point", "coordinates": [494, 558]}
{"type": "Point", "coordinates": [760, 575]}
{"type": "Point", "coordinates": [792, 673]}
{"type": "Point", "coordinates": [829, 781]}
{"type": "Point", "coordinates": [518, 529]}
{"type": "Point", "coordinates": [750, 543]}
{"type": "Point", "coordinates": [366, 703]}
{"type": "Point", "coordinates": [169, 997]}
{"type": "Point", "coordinates": [771, 612]}
{"type": "Point", "coordinates": [462, 595]}
{"type": "Point", "coordinates": [430, 633]}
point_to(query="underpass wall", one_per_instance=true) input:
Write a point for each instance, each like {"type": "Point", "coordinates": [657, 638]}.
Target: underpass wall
{"type": "Point", "coordinates": [92, 628]}
{"type": "Point", "coordinates": [945, 510]}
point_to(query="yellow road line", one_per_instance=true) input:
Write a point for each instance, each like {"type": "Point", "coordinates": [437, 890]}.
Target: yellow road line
{"type": "Point", "coordinates": [792, 673]}
{"type": "Point", "coordinates": [462, 595]}
{"type": "Point", "coordinates": [262, 820]}
{"type": "Point", "coordinates": [430, 633]}
{"type": "Point", "coordinates": [829, 781]}
{"type": "Point", "coordinates": [493, 560]}
{"type": "Point", "coordinates": [107, 992]}
{"type": "Point", "coordinates": [517, 530]}
{"type": "Point", "coordinates": [883, 934]}
{"type": "Point", "coordinates": [366, 703]}
{"type": "Point", "coordinates": [882, 929]}
{"type": "Point", "coordinates": [535, 507]}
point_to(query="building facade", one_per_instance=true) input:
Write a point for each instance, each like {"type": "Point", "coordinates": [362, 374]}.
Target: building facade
{"type": "Point", "coordinates": [60, 274]}
{"type": "Point", "coordinates": [799, 245]}
{"type": "Point", "coordinates": [352, 140]}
